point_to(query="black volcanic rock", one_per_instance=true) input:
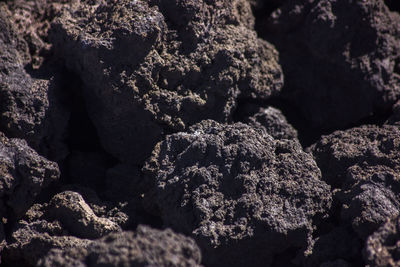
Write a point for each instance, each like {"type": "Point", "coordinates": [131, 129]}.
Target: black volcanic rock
{"type": "Point", "coordinates": [31, 107]}
{"type": "Point", "coordinates": [241, 194]}
{"type": "Point", "coordinates": [364, 164]}
{"type": "Point", "coordinates": [144, 247]}
{"type": "Point", "coordinates": [340, 58]}
{"type": "Point", "coordinates": [23, 174]}
{"type": "Point", "coordinates": [156, 67]}
{"type": "Point", "coordinates": [273, 122]}
{"type": "Point", "coordinates": [68, 220]}
{"type": "Point", "coordinates": [382, 247]}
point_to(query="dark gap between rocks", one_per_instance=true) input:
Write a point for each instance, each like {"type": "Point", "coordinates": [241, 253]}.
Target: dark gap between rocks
{"type": "Point", "coordinates": [307, 134]}
{"type": "Point", "coordinates": [262, 11]}
{"type": "Point", "coordinates": [393, 5]}
{"type": "Point", "coordinates": [87, 161]}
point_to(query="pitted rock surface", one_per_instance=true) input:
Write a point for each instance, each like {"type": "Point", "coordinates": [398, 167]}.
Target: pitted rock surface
{"type": "Point", "coordinates": [333, 52]}
{"type": "Point", "coordinates": [30, 107]}
{"type": "Point", "coordinates": [68, 220]}
{"type": "Point", "coordinates": [148, 72]}
{"type": "Point", "coordinates": [144, 247]}
{"type": "Point", "coordinates": [383, 247]}
{"type": "Point", "coordinates": [237, 190]}
{"type": "Point", "coordinates": [23, 174]}
{"type": "Point", "coordinates": [364, 164]}
{"type": "Point", "coordinates": [273, 122]}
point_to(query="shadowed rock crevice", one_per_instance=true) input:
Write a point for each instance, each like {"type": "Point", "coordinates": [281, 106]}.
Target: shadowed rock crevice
{"type": "Point", "coordinates": [320, 46]}
{"type": "Point", "coordinates": [393, 5]}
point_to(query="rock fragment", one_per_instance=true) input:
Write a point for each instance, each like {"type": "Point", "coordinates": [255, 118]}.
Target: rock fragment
{"type": "Point", "coordinates": [23, 174]}
{"type": "Point", "coordinates": [31, 108]}
{"type": "Point", "coordinates": [333, 52]}
{"type": "Point", "coordinates": [144, 247]}
{"type": "Point", "coordinates": [273, 122]}
{"type": "Point", "coordinates": [383, 246]}
{"type": "Point", "coordinates": [236, 191]}
{"type": "Point", "coordinates": [67, 221]}
{"type": "Point", "coordinates": [363, 164]}
{"type": "Point", "coordinates": [156, 67]}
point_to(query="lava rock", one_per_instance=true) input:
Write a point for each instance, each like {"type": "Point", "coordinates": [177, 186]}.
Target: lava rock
{"type": "Point", "coordinates": [23, 174]}
{"type": "Point", "coordinates": [75, 214]}
{"type": "Point", "coordinates": [333, 52]}
{"type": "Point", "coordinates": [31, 20]}
{"type": "Point", "coordinates": [383, 246]}
{"type": "Point", "coordinates": [31, 241]}
{"type": "Point", "coordinates": [31, 108]}
{"type": "Point", "coordinates": [241, 194]}
{"type": "Point", "coordinates": [156, 67]}
{"type": "Point", "coordinates": [363, 146]}
{"type": "Point", "coordinates": [273, 122]}
{"type": "Point", "coordinates": [68, 220]}
{"type": "Point", "coordinates": [144, 247]}
{"type": "Point", "coordinates": [364, 164]}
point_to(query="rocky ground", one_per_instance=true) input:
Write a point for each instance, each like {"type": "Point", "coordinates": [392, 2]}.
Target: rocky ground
{"type": "Point", "coordinates": [200, 133]}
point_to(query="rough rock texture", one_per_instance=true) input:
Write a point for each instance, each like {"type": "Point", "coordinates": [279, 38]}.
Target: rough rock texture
{"type": "Point", "coordinates": [90, 88]}
{"type": "Point", "coordinates": [237, 191]}
{"type": "Point", "coordinates": [68, 220]}
{"type": "Point", "coordinates": [364, 164]}
{"type": "Point", "coordinates": [273, 122]}
{"type": "Point", "coordinates": [30, 107]}
{"type": "Point", "coordinates": [148, 71]}
{"type": "Point", "coordinates": [144, 247]}
{"type": "Point", "coordinates": [32, 19]}
{"type": "Point", "coordinates": [23, 174]}
{"type": "Point", "coordinates": [383, 247]}
{"type": "Point", "coordinates": [334, 52]}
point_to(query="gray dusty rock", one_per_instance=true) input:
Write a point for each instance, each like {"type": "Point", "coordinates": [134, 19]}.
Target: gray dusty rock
{"type": "Point", "coordinates": [240, 193]}
{"type": "Point", "coordinates": [156, 67]}
{"type": "Point", "coordinates": [144, 247]}
{"type": "Point", "coordinates": [273, 122]}
{"type": "Point", "coordinates": [67, 221]}
{"type": "Point", "coordinates": [364, 164]}
{"type": "Point", "coordinates": [334, 52]}
{"type": "Point", "coordinates": [23, 174]}
{"type": "Point", "coordinates": [383, 246]}
{"type": "Point", "coordinates": [31, 107]}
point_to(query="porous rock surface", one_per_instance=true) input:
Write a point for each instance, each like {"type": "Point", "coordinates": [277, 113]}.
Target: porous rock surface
{"type": "Point", "coordinates": [68, 220]}
{"type": "Point", "coordinates": [383, 247]}
{"type": "Point", "coordinates": [237, 191]}
{"type": "Point", "coordinates": [30, 108]}
{"type": "Point", "coordinates": [334, 52]}
{"type": "Point", "coordinates": [90, 88]}
{"type": "Point", "coordinates": [148, 72]}
{"type": "Point", "coordinates": [144, 247]}
{"type": "Point", "coordinates": [273, 122]}
{"type": "Point", "coordinates": [363, 164]}
{"type": "Point", "coordinates": [23, 174]}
